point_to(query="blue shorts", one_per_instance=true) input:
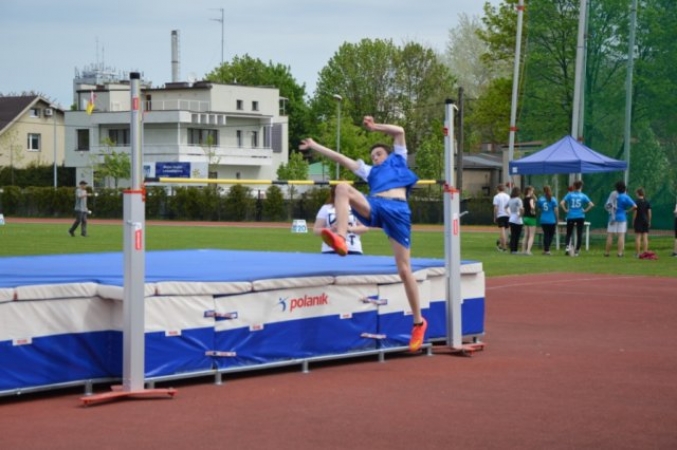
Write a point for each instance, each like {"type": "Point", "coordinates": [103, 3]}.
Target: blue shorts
{"type": "Point", "coordinates": [391, 215]}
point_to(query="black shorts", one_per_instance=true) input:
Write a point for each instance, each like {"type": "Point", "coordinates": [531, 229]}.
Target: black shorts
{"type": "Point", "coordinates": [502, 222]}
{"type": "Point", "coordinates": [641, 227]}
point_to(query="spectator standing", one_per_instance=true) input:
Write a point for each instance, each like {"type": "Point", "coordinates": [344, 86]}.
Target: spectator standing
{"type": "Point", "coordinates": [81, 210]}
{"type": "Point", "coordinates": [529, 220]}
{"type": "Point", "coordinates": [575, 204]}
{"type": "Point", "coordinates": [642, 222]}
{"type": "Point", "coordinates": [501, 215]}
{"type": "Point", "coordinates": [547, 205]}
{"type": "Point", "coordinates": [516, 210]}
{"type": "Point", "coordinates": [618, 204]}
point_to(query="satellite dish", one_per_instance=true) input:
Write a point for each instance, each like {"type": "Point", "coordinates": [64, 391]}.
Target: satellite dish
{"type": "Point", "coordinates": [192, 77]}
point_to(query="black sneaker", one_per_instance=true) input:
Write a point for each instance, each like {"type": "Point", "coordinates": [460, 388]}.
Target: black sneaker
{"type": "Point", "coordinates": [71, 233]}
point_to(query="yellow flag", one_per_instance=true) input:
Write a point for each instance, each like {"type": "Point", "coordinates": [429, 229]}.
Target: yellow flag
{"type": "Point", "coordinates": [90, 103]}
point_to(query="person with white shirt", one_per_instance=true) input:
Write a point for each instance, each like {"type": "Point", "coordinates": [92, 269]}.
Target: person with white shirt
{"type": "Point", "coordinates": [326, 218]}
{"type": "Point", "coordinates": [515, 209]}
{"type": "Point", "coordinates": [501, 215]}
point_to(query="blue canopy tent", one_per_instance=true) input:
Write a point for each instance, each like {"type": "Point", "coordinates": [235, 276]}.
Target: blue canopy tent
{"type": "Point", "coordinates": [565, 156]}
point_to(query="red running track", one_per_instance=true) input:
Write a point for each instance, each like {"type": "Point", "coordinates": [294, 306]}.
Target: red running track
{"type": "Point", "coordinates": [572, 361]}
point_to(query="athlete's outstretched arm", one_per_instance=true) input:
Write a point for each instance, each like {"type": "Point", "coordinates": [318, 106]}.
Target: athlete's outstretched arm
{"type": "Point", "coordinates": [396, 131]}
{"type": "Point", "coordinates": [310, 144]}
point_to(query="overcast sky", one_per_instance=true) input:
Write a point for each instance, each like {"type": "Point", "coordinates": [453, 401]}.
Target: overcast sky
{"type": "Point", "coordinates": [45, 41]}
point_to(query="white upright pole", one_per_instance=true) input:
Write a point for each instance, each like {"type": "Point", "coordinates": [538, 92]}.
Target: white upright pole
{"type": "Point", "coordinates": [628, 89]}
{"type": "Point", "coordinates": [54, 115]}
{"type": "Point", "coordinates": [222, 21]}
{"type": "Point", "coordinates": [452, 235]}
{"type": "Point", "coordinates": [134, 244]}
{"type": "Point", "coordinates": [339, 100]}
{"type": "Point", "coordinates": [579, 78]}
{"type": "Point", "coordinates": [134, 256]}
{"type": "Point", "coordinates": [515, 92]}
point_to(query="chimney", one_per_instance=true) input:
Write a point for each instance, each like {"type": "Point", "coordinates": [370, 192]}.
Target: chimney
{"type": "Point", "coordinates": [176, 68]}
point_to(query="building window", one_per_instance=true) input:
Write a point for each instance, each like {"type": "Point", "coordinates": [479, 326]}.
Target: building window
{"type": "Point", "coordinates": [203, 137]}
{"type": "Point", "coordinates": [119, 137]}
{"type": "Point", "coordinates": [276, 138]}
{"type": "Point", "coordinates": [255, 139]}
{"type": "Point", "coordinates": [34, 112]}
{"type": "Point", "coordinates": [238, 135]}
{"type": "Point", "coordinates": [238, 105]}
{"type": "Point", "coordinates": [33, 142]}
{"type": "Point", "coordinates": [83, 140]}
{"type": "Point", "coordinates": [255, 106]}
{"type": "Point", "coordinates": [267, 137]}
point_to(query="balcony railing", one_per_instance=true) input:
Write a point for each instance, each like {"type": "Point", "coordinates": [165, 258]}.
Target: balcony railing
{"type": "Point", "coordinates": [214, 155]}
{"type": "Point", "coordinates": [177, 105]}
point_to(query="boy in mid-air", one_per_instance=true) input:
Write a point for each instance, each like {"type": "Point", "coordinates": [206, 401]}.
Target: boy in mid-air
{"type": "Point", "coordinates": [386, 207]}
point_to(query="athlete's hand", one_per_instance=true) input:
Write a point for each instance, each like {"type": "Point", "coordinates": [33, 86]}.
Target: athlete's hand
{"type": "Point", "coordinates": [368, 123]}
{"type": "Point", "coordinates": [306, 144]}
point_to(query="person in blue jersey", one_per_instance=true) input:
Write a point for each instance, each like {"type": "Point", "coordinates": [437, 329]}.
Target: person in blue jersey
{"type": "Point", "coordinates": [575, 204]}
{"type": "Point", "coordinates": [390, 182]}
{"type": "Point", "coordinates": [547, 205]}
{"type": "Point", "coordinates": [618, 204]}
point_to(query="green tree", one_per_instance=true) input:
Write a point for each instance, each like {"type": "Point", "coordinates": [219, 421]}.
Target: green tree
{"type": "Point", "coordinates": [488, 117]}
{"type": "Point", "coordinates": [655, 82]}
{"type": "Point", "coordinates": [247, 71]}
{"type": "Point", "coordinates": [465, 55]}
{"type": "Point", "coordinates": [115, 165]}
{"type": "Point", "coordinates": [212, 158]}
{"type": "Point", "coordinates": [11, 150]}
{"type": "Point", "coordinates": [238, 202]}
{"type": "Point", "coordinates": [499, 33]}
{"type": "Point", "coordinates": [273, 205]}
{"type": "Point", "coordinates": [355, 143]}
{"type": "Point", "coordinates": [405, 85]}
{"type": "Point", "coordinates": [430, 158]}
{"type": "Point", "coordinates": [296, 169]}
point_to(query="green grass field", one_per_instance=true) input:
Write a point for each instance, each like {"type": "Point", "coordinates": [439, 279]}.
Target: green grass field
{"type": "Point", "coordinates": [18, 239]}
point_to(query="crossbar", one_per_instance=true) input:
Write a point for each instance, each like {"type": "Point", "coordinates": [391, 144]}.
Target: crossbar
{"type": "Point", "coordinates": [171, 180]}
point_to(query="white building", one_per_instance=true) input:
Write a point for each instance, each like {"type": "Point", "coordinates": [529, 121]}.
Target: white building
{"type": "Point", "coordinates": [198, 130]}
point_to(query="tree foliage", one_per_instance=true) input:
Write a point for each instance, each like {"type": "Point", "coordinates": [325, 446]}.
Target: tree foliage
{"type": "Point", "coordinates": [548, 76]}
{"type": "Point", "coordinates": [248, 71]}
{"type": "Point", "coordinates": [405, 85]}
{"type": "Point", "coordinates": [466, 56]}
{"type": "Point", "coordinates": [296, 169]}
{"type": "Point", "coordinates": [491, 49]}
{"type": "Point", "coordinates": [115, 165]}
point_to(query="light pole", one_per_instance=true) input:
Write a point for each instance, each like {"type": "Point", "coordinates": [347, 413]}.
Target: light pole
{"type": "Point", "coordinates": [339, 100]}
{"type": "Point", "coordinates": [221, 20]}
{"type": "Point", "coordinates": [54, 114]}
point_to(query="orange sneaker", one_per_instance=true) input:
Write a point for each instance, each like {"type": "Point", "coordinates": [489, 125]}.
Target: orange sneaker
{"type": "Point", "coordinates": [338, 243]}
{"type": "Point", "coordinates": [417, 336]}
